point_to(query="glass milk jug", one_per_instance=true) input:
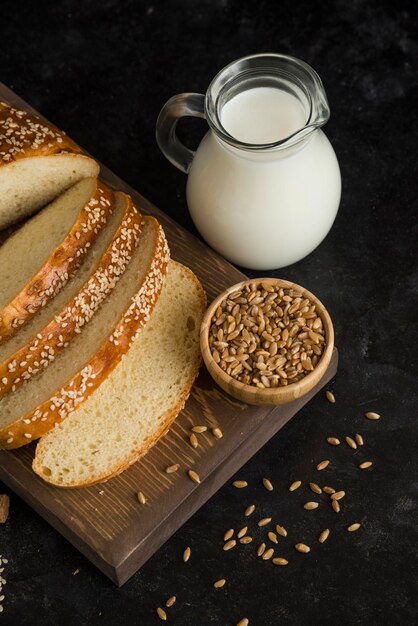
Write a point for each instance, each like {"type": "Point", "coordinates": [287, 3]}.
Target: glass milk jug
{"type": "Point", "coordinates": [264, 184]}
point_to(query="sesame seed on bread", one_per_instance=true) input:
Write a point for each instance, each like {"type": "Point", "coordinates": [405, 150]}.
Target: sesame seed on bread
{"type": "Point", "coordinates": [37, 260]}
{"type": "Point", "coordinates": [47, 398]}
{"type": "Point", "coordinates": [37, 163]}
{"type": "Point", "coordinates": [40, 340]}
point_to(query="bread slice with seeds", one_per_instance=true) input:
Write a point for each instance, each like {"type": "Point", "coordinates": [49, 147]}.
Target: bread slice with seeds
{"type": "Point", "coordinates": [34, 408]}
{"type": "Point", "coordinates": [38, 162]}
{"type": "Point", "coordinates": [138, 402]}
{"type": "Point", "coordinates": [37, 260]}
{"type": "Point", "coordinates": [39, 341]}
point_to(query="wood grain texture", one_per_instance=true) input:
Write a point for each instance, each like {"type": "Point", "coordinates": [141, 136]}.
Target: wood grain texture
{"type": "Point", "coordinates": [106, 522]}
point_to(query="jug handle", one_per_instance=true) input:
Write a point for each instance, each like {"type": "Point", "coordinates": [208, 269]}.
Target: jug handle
{"type": "Point", "coordinates": [182, 105]}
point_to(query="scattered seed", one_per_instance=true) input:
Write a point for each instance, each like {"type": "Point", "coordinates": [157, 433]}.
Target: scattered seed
{"type": "Point", "coordinates": [268, 554]}
{"type": "Point", "coordinates": [350, 442]}
{"type": "Point", "coordinates": [170, 601]}
{"type": "Point", "coordinates": [322, 465]}
{"type": "Point", "coordinates": [194, 476]}
{"type": "Point", "coordinates": [359, 440]}
{"type": "Point", "coordinates": [330, 397]}
{"type": "Point", "coordinates": [218, 584]}
{"type": "Point", "coordinates": [280, 561]}
{"type": "Point", "coordinates": [267, 484]}
{"type": "Point", "coordinates": [365, 464]}
{"type": "Point", "coordinates": [272, 536]}
{"type": "Point", "coordinates": [249, 510]}
{"type": "Point", "coordinates": [243, 622]}
{"type": "Point", "coordinates": [338, 495]}
{"type": "Point", "coordinates": [172, 468]}
{"type": "Point", "coordinates": [193, 440]}
{"type": "Point", "coordinates": [186, 554]}
{"type": "Point", "coordinates": [242, 532]}
{"type": "Point", "coordinates": [199, 429]}
{"type": "Point", "coordinates": [162, 614]}
{"type": "Point", "coordinates": [264, 521]}
{"type": "Point", "coordinates": [324, 535]}
{"type": "Point", "coordinates": [333, 441]}
{"type": "Point", "coordinates": [141, 498]}
{"type": "Point", "coordinates": [229, 533]}
{"type": "Point", "coordinates": [329, 490]}
{"type": "Point", "coordinates": [336, 506]}
{"type": "Point", "coordinates": [372, 416]}
{"type": "Point", "coordinates": [229, 545]}
{"type": "Point", "coordinates": [295, 485]}
{"type": "Point", "coordinates": [216, 432]}
{"type": "Point", "coordinates": [239, 484]}
{"type": "Point", "coordinates": [245, 540]}
{"type": "Point", "coordinates": [260, 549]}
{"type": "Point", "coordinates": [281, 530]}
{"type": "Point", "coordinates": [310, 506]}
{"type": "Point", "coordinates": [353, 527]}
{"type": "Point", "coordinates": [315, 488]}
{"type": "Point", "coordinates": [302, 547]}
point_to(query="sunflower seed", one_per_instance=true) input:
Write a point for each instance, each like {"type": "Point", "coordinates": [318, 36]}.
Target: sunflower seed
{"type": "Point", "coordinates": [242, 532]}
{"type": "Point", "coordinates": [229, 545]}
{"type": "Point", "coordinates": [162, 614]}
{"type": "Point", "coordinates": [260, 549]}
{"type": "Point", "coordinates": [194, 476]}
{"type": "Point", "coordinates": [280, 561]}
{"type": "Point", "coordinates": [353, 527]}
{"type": "Point", "coordinates": [333, 441]}
{"type": "Point", "coordinates": [199, 429]}
{"type": "Point", "coordinates": [359, 440]}
{"type": "Point", "coordinates": [365, 464]}
{"type": "Point", "coordinates": [268, 554]}
{"type": "Point", "coordinates": [218, 584]}
{"type": "Point", "coordinates": [172, 468]}
{"type": "Point", "coordinates": [295, 485]}
{"type": "Point", "coordinates": [141, 498]}
{"type": "Point", "coordinates": [170, 601]}
{"type": "Point", "coordinates": [336, 506]}
{"type": "Point", "coordinates": [229, 533]}
{"type": "Point", "coordinates": [322, 465]}
{"type": "Point", "coordinates": [315, 488]}
{"type": "Point", "coordinates": [338, 495]}
{"type": "Point", "coordinates": [281, 530]}
{"type": "Point", "coordinates": [324, 535]}
{"type": "Point", "coordinates": [264, 521]}
{"type": "Point", "coordinates": [330, 397]}
{"type": "Point", "coordinates": [310, 506]}
{"type": "Point", "coordinates": [372, 416]}
{"type": "Point", "coordinates": [193, 440]}
{"type": "Point", "coordinates": [216, 432]}
{"type": "Point", "coordinates": [267, 484]}
{"type": "Point", "coordinates": [302, 547]}
{"type": "Point", "coordinates": [329, 490]}
{"type": "Point", "coordinates": [350, 442]}
{"type": "Point", "coordinates": [272, 536]}
{"type": "Point", "coordinates": [249, 510]}
{"type": "Point", "coordinates": [240, 484]}
{"type": "Point", "coordinates": [186, 554]}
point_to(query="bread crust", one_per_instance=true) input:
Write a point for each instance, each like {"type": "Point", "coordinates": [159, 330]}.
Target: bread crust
{"type": "Point", "coordinates": [165, 424]}
{"type": "Point", "coordinates": [41, 349]}
{"type": "Point", "coordinates": [77, 389]}
{"type": "Point", "coordinates": [62, 262]}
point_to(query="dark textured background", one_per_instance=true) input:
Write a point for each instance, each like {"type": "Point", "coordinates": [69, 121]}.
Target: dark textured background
{"type": "Point", "coordinates": [102, 70]}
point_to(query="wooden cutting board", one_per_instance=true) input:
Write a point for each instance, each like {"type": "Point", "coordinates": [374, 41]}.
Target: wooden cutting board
{"type": "Point", "coordinates": [106, 522]}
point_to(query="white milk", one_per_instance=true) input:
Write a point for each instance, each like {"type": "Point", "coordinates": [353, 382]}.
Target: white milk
{"type": "Point", "coordinates": [264, 209]}
{"type": "Point", "coordinates": [262, 115]}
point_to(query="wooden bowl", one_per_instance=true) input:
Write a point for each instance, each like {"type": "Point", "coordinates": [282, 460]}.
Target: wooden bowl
{"type": "Point", "coordinates": [276, 395]}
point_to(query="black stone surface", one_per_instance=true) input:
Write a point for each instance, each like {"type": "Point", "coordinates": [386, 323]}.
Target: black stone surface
{"type": "Point", "coordinates": [102, 70]}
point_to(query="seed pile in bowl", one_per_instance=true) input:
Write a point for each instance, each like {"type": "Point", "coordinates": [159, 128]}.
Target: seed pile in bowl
{"type": "Point", "coordinates": [266, 337]}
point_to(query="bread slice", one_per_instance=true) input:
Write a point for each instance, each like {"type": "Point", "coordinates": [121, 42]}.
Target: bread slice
{"type": "Point", "coordinates": [138, 402]}
{"type": "Point", "coordinates": [34, 408]}
{"type": "Point", "coordinates": [37, 260]}
{"type": "Point", "coordinates": [38, 342]}
{"type": "Point", "coordinates": [37, 163]}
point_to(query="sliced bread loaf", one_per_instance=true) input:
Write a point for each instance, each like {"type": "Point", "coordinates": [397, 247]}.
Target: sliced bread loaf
{"type": "Point", "coordinates": [38, 342]}
{"type": "Point", "coordinates": [138, 402]}
{"type": "Point", "coordinates": [34, 408]}
{"type": "Point", "coordinates": [37, 163]}
{"type": "Point", "coordinates": [37, 260]}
